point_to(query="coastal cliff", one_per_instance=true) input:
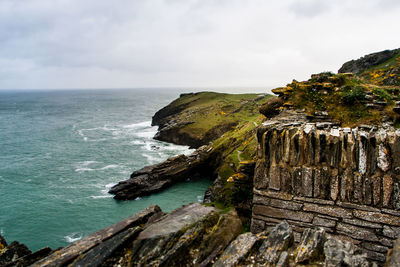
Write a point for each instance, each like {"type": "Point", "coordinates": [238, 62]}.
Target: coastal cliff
{"type": "Point", "coordinates": [313, 181]}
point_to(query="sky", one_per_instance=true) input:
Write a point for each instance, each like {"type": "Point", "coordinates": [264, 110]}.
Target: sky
{"type": "Point", "coordinates": [59, 44]}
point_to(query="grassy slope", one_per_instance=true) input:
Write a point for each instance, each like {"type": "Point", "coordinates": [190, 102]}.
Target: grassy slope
{"type": "Point", "coordinates": [208, 110]}
{"type": "Point", "coordinates": [344, 96]}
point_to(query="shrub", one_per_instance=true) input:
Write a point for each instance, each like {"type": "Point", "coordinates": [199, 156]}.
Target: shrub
{"type": "Point", "coordinates": [271, 107]}
{"type": "Point", "coordinates": [351, 95]}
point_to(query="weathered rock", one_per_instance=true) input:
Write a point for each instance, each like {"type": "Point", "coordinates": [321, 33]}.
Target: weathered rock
{"type": "Point", "coordinates": [393, 256]}
{"type": "Point", "coordinates": [311, 245]}
{"type": "Point", "coordinates": [99, 254]}
{"type": "Point", "coordinates": [12, 252]}
{"type": "Point", "coordinates": [3, 243]}
{"type": "Point", "coordinates": [368, 61]}
{"type": "Point", "coordinates": [229, 226]}
{"type": "Point", "coordinates": [237, 251]}
{"type": "Point", "coordinates": [71, 252]}
{"type": "Point", "coordinates": [342, 253]}
{"type": "Point", "coordinates": [156, 239]}
{"type": "Point", "coordinates": [278, 240]}
{"type": "Point", "coordinates": [30, 258]}
{"type": "Point", "coordinates": [157, 177]}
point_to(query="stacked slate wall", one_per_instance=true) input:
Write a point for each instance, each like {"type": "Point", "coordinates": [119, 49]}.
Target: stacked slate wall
{"type": "Point", "coordinates": [345, 180]}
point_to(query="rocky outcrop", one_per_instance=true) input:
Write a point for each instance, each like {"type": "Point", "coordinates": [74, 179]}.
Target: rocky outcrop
{"type": "Point", "coordinates": [195, 119]}
{"type": "Point", "coordinates": [157, 177]}
{"type": "Point", "coordinates": [17, 254]}
{"type": "Point", "coordinates": [198, 235]}
{"type": "Point", "coordinates": [345, 180]}
{"type": "Point", "coordinates": [368, 61]}
{"type": "Point", "coordinates": [191, 235]}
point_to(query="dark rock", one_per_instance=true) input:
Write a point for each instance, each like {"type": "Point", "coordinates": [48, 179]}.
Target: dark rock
{"type": "Point", "coordinates": [311, 245]}
{"type": "Point", "coordinates": [12, 252]}
{"type": "Point", "coordinates": [237, 251]}
{"type": "Point", "coordinates": [99, 254]}
{"type": "Point", "coordinates": [30, 258]}
{"type": "Point", "coordinates": [155, 241]}
{"type": "Point", "coordinates": [71, 252]}
{"type": "Point", "coordinates": [154, 178]}
{"type": "Point", "coordinates": [393, 255]}
{"type": "Point", "coordinates": [271, 107]}
{"type": "Point", "coordinates": [278, 240]}
{"type": "Point", "coordinates": [368, 61]}
{"type": "Point", "coordinates": [342, 253]}
{"type": "Point", "coordinates": [3, 242]}
{"type": "Point", "coordinates": [227, 229]}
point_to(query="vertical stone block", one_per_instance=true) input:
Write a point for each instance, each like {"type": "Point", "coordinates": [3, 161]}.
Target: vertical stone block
{"type": "Point", "coordinates": [322, 147]}
{"type": "Point", "coordinates": [376, 188]}
{"type": "Point", "coordinates": [383, 161]}
{"type": "Point", "coordinates": [286, 146]}
{"type": "Point", "coordinates": [307, 182]}
{"type": "Point", "coordinates": [274, 178]}
{"type": "Point", "coordinates": [362, 153]}
{"type": "Point", "coordinates": [372, 154]}
{"type": "Point", "coordinates": [322, 183]}
{"type": "Point", "coordinates": [358, 188]}
{"type": "Point", "coordinates": [347, 185]}
{"type": "Point", "coordinates": [334, 188]}
{"type": "Point", "coordinates": [286, 181]}
{"type": "Point", "coordinates": [396, 196]}
{"type": "Point", "coordinates": [295, 149]}
{"type": "Point", "coordinates": [367, 190]}
{"type": "Point", "coordinates": [395, 151]}
{"type": "Point", "coordinates": [261, 178]}
{"type": "Point", "coordinates": [297, 181]}
{"type": "Point", "coordinates": [387, 189]}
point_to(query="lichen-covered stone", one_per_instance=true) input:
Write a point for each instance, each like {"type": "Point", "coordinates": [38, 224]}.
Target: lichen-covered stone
{"type": "Point", "coordinates": [237, 251]}
{"type": "Point", "coordinates": [342, 253]}
{"type": "Point", "coordinates": [278, 240]}
{"type": "Point", "coordinates": [311, 245]}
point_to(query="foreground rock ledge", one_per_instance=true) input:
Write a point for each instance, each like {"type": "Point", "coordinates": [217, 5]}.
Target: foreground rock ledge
{"type": "Point", "coordinates": [198, 235]}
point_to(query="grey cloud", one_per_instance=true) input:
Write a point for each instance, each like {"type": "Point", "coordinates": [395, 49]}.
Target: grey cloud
{"type": "Point", "coordinates": [309, 8]}
{"type": "Point", "coordinates": [125, 43]}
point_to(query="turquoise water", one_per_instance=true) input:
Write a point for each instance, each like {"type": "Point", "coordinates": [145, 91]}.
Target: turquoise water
{"type": "Point", "coordinates": [60, 152]}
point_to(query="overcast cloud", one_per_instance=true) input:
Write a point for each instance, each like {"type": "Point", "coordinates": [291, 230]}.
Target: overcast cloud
{"type": "Point", "coordinates": [186, 43]}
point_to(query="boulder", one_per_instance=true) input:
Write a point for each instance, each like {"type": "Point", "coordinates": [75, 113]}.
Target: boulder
{"type": "Point", "coordinates": [237, 250]}
{"type": "Point", "coordinates": [278, 241]}
{"type": "Point", "coordinates": [343, 253]}
{"type": "Point", "coordinates": [311, 245]}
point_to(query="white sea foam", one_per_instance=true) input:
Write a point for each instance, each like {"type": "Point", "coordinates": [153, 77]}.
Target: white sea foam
{"type": "Point", "coordinates": [146, 134]}
{"type": "Point", "coordinates": [138, 198]}
{"type": "Point", "coordinates": [73, 237]}
{"type": "Point", "coordinates": [110, 185]}
{"type": "Point", "coordinates": [138, 142]}
{"type": "Point", "coordinates": [137, 125]}
{"type": "Point", "coordinates": [84, 170]}
{"type": "Point", "coordinates": [87, 162]}
{"type": "Point", "coordinates": [111, 166]}
{"type": "Point", "coordinates": [151, 159]}
{"type": "Point", "coordinates": [96, 197]}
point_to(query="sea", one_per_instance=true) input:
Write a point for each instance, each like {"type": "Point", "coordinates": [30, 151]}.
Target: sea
{"type": "Point", "coordinates": [61, 151]}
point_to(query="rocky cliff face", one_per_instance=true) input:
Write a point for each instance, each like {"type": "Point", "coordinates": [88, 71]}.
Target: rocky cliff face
{"type": "Point", "coordinates": [366, 62]}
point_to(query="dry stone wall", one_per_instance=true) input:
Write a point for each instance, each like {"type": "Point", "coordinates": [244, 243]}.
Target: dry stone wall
{"type": "Point", "coordinates": [345, 180]}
